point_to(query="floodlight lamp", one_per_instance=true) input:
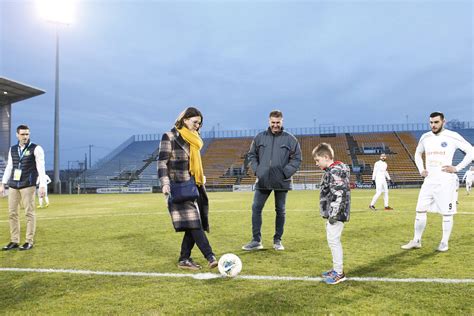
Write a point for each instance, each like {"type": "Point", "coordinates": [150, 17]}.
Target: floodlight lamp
{"type": "Point", "coordinates": [56, 11]}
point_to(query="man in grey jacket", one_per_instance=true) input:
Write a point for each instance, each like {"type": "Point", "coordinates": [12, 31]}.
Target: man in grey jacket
{"type": "Point", "coordinates": [274, 156]}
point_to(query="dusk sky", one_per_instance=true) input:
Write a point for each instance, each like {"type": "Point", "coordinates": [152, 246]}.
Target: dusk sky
{"type": "Point", "coordinates": [129, 67]}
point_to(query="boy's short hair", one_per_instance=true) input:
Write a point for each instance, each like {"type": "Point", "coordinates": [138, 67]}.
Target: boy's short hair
{"type": "Point", "coordinates": [323, 149]}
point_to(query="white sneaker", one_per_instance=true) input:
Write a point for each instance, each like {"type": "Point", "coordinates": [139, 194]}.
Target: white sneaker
{"type": "Point", "coordinates": [253, 245]}
{"type": "Point", "coordinates": [278, 246]}
{"type": "Point", "coordinates": [412, 245]}
{"type": "Point", "coordinates": [443, 247]}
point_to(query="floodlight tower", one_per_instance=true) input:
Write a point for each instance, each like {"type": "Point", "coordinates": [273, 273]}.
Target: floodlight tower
{"type": "Point", "coordinates": [58, 12]}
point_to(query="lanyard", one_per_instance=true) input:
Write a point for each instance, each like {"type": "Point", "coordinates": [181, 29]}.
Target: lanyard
{"type": "Point", "coordinates": [21, 153]}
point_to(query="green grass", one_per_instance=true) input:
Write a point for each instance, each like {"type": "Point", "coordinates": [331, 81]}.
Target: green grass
{"type": "Point", "coordinates": [134, 233]}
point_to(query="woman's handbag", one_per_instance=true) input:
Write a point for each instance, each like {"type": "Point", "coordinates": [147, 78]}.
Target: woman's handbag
{"type": "Point", "coordinates": [183, 191]}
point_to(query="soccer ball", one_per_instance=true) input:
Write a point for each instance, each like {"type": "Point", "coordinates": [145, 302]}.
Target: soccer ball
{"type": "Point", "coordinates": [229, 265]}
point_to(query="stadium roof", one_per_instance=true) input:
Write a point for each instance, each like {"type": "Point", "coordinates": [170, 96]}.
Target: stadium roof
{"type": "Point", "coordinates": [13, 91]}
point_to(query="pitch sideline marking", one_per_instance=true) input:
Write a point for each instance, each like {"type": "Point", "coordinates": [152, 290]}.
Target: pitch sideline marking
{"type": "Point", "coordinates": [166, 213]}
{"type": "Point", "coordinates": [208, 276]}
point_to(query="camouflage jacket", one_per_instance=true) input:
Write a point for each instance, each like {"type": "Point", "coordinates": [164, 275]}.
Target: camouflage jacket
{"type": "Point", "coordinates": [335, 195]}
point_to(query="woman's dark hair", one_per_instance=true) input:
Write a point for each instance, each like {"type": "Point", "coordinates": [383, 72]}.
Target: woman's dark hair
{"type": "Point", "coordinates": [187, 113]}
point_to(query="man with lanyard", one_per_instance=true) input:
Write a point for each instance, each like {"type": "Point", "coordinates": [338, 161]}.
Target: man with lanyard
{"type": "Point", "coordinates": [25, 165]}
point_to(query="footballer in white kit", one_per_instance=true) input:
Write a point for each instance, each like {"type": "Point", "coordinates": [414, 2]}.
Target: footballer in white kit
{"type": "Point", "coordinates": [380, 176]}
{"type": "Point", "coordinates": [469, 178]}
{"type": "Point", "coordinates": [438, 192]}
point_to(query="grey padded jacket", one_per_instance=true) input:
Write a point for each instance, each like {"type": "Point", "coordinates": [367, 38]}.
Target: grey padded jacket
{"type": "Point", "coordinates": [274, 158]}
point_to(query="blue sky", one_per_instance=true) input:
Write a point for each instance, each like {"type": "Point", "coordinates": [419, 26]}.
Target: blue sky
{"type": "Point", "coordinates": [129, 67]}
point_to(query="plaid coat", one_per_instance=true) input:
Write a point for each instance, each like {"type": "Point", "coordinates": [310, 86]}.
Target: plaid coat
{"type": "Point", "coordinates": [173, 165]}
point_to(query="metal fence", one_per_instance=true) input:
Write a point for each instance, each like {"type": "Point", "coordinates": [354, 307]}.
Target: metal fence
{"type": "Point", "coordinates": [322, 129]}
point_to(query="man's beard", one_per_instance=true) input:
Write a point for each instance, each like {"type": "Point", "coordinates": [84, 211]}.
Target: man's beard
{"type": "Point", "coordinates": [438, 130]}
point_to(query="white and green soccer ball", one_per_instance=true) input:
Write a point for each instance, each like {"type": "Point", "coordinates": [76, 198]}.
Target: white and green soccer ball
{"type": "Point", "coordinates": [229, 265]}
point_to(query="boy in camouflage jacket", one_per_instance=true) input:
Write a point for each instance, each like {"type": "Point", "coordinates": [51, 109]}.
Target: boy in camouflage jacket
{"type": "Point", "coordinates": [335, 205]}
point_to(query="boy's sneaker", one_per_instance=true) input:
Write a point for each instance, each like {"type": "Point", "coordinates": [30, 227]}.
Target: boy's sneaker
{"type": "Point", "coordinates": [336, 278]}
{"type": "Point", "coordinates": [372, 207]}
{"type": "Point", "coordinates": [253, 245]}
{"type": "Point", "coordinates": [189, 264]}
{"type": "Point", "coordinates": [328, 274]}
{"type": "Point", "coordinates": [278, 246]}
{"type": "Point", "coordinates": [388, 208]}
{"type": "Point", "coordinates": [412, 244]}
{"type": "Point", "coordinates": [443, 247]}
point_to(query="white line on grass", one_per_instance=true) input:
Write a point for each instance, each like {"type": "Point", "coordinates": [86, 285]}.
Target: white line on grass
{"type": "Point", "coordinates": [207, 276]}
{"type": "Point", "coordinates": [166, 213]}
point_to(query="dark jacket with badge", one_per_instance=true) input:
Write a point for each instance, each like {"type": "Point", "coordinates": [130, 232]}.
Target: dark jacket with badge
{"type": "Point", "coordinates": [173, 165]}
{"type": "Point", "coordinates": [27, 164]}
{"type": "Point", "coordinates": [335, 195]}
{"type": "Point", "coordinates": [274, 158]}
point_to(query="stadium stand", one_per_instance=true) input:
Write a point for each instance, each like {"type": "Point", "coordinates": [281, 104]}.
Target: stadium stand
{"type": "Point", "coordinates": [401, 165]}
{"type": "Point", "coordinates": [309, 172]}
{"type": "Point", "coordinates": [124, 167]}
{"type": "Point", "coordinates": [134, 165]}
{"type": "Point", "coordinates": [225, 163]}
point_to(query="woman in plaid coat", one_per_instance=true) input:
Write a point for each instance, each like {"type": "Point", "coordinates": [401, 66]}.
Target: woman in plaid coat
{"type": "Point", "coordinates": [179, 159]}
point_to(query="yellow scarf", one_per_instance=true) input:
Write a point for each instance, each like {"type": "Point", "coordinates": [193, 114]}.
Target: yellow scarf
{"type": "Point", "coordinates": [195, 163]}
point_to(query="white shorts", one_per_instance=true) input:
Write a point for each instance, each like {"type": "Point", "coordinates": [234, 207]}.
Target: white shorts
{"type": "Point", "coordinates": [381, 186]}
{"type": "Point", "coordinates": [438, 197]}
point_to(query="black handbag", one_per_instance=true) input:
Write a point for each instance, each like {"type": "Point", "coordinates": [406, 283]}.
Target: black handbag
{"type": "Point", "coordinates": [183, 191]}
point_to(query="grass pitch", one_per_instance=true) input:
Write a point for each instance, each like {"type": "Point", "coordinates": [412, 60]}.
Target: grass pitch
{"type": "Point", "coordinates": [134, 233]}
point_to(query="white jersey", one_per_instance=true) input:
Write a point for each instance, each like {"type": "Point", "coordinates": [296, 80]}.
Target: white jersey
{"type": "Point", "coordinates": [380, 171]}
{"type": "Point", "coordinates": [439, 151]}
{"type": "Point", "coordinates": [468, 176]}
{"type": "Point", "coordinates": [47, 179]}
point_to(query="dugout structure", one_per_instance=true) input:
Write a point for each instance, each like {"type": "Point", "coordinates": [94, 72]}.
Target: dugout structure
{"type": "Point", "coordinates": [11, 92]}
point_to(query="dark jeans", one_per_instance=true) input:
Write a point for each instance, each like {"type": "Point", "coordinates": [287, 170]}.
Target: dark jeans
{"type": "Point", "coordinates": [198, 237]}
{"type": "Point", "coordinates": [259, 199]}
